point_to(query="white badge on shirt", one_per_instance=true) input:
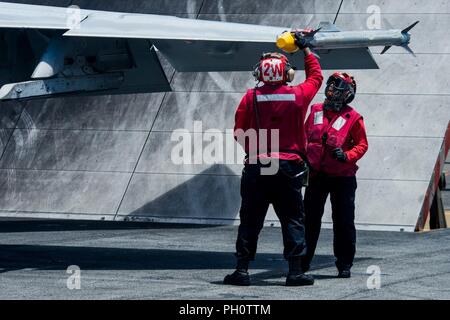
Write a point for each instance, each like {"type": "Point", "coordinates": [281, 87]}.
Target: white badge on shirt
{"type": "Point", "coordinates": [318, 117]}
{"type": "Point", "coordinates": [339, 123]}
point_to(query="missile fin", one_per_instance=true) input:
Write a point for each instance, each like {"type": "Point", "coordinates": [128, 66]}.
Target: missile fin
{"type": "Point", "coordinates": [385, 49]}
{"type": "Point", "coordinates": [313, 33]}
{"type": "Point", "coordinates": [328, 26]}
{"type": "Point", "coordinates": [408, 48]}
{"type": "Point", "coordinates": [410, 27]}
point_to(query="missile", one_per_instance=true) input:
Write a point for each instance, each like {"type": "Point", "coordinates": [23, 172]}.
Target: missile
{"type": "Point", "coordinates": [332, 38]}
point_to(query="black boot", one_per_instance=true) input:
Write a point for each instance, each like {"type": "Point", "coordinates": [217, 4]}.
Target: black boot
{"type": "Point", "coordinates": [239, 277]}
{"type": "Point", "coordinates": [296, 276]}
{"type": "Point", "coordinates": [345, 274]}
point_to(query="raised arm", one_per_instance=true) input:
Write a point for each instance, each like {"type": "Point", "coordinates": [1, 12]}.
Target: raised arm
{"type": "Point", "coordinates": [314, 77]}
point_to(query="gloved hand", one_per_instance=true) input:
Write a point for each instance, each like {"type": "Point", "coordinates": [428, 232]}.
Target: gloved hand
{"type": "Point", "coordinates": [339, 155]}
{"type": "Point", "coordinates": [300, 40]}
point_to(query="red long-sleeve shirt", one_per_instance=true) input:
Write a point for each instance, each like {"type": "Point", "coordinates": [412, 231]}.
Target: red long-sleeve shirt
{"type": "Point", "coordinates": [281, 107]}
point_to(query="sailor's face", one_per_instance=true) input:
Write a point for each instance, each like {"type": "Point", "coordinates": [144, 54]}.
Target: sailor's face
{"type": "Point", "coordinates": [329, 92]}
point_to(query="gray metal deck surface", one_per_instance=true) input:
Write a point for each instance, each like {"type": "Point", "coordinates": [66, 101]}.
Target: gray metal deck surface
{"type": "Point", "coordinates": [144, 261]}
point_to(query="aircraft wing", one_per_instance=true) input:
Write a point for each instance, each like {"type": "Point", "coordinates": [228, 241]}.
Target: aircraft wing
{"type": "Point", "coordinates": [15, 15]}
{"type": "Point", "coordinates": [53, 50]}
{"type": "Point", "coordinates": [201, 45]}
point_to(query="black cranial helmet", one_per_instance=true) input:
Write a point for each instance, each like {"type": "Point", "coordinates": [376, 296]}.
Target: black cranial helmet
{"type": "Point", "coordinates": [340, 91]}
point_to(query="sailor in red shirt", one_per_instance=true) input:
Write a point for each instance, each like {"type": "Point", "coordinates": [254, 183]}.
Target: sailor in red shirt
{"type": "Point", "coordinates": [275, 106]}
{"type": "Point", "coordinates": [282, 107]}
{"type": "Point", "coordinates": [336, 141]}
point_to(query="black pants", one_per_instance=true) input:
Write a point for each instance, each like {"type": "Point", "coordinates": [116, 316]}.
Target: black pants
{"type": "Point", "coordinates": [284, 193]}
{"type": "Point", "coordinates": [342, 191]}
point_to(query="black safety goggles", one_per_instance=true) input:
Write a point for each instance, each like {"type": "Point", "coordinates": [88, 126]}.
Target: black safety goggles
{"type": "Point", "coordinates": [338, 84]}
